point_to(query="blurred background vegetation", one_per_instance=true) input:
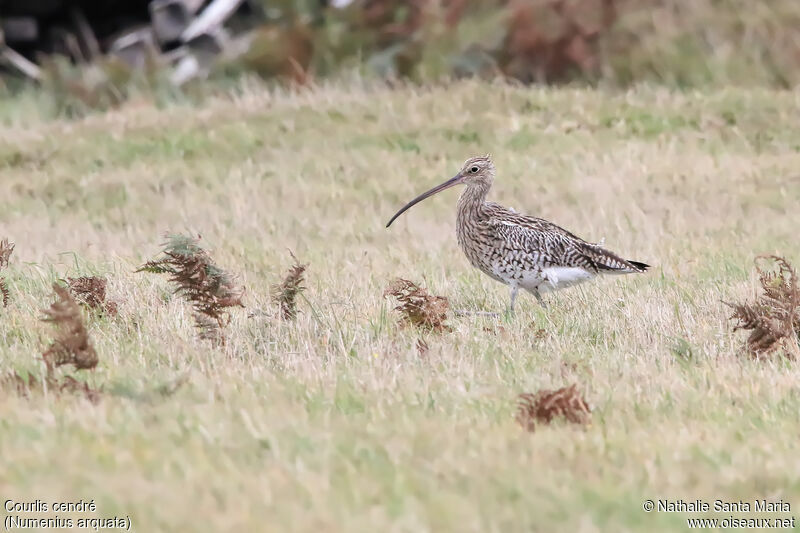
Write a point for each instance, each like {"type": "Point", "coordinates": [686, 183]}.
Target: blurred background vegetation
{"type": "Point", "coordinates": [678, 43]}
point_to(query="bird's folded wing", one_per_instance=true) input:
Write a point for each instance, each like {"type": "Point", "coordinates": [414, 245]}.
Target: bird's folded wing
{"type": "Point", "coordinates": [552, 245]}
{"type": "Point", "coordinates": [546, 243]}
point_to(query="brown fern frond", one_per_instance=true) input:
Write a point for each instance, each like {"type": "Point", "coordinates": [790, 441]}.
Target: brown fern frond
{"type": "Point", "coordinates": [71, 345]}
{"type": "Point", "coordinates": [417, 307]}
{"type": "Point", "coordinates": [6, 248]}
{"type": "Point", "coordinates": [4, 292]}
{"type": "Point", "coordinates": [25, 387]}
{"type": "Point", "coordinates": [547, 405]}
{"type": "Point", "coordinates": [91, 292]}
{"type": "Point", "coordinates": [287, 291]}
{"type": "Point", "coordinates": [210, 290]}
{"type": "Point", "coordinates": [5, 254]}
{"type": "Point", "coordinates": [773, 319]}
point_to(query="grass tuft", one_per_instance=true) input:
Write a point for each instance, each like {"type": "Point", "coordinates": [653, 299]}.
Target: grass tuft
{"type": "Point", "coordinates": [773, 319]}
{"type": "Point", "coordinates": [548, 405]}
{"type": "Point", "coordinates": [71, 345]}
{"type": "Point", "coordinates": [417, 307]}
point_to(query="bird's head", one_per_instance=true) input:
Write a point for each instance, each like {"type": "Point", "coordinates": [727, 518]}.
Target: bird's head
{"type": "Point", "coordinates": [476, 171]}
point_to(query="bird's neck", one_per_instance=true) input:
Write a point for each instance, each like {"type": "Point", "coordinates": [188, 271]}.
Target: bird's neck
{"type": "Point", "coordinates": [472, 198]}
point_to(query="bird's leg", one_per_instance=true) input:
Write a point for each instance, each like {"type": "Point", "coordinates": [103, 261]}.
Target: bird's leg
{"type": "Point", "coordinates": [514, 291]}
{"type": "Point", "coordinates": [540, 299]}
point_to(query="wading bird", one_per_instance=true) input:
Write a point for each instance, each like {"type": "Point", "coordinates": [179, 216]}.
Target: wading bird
{"type": "Point", "coordinates": [521, 251]}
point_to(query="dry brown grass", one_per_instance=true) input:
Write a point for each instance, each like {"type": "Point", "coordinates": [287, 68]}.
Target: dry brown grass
{"type": "Point", "coordinates": [71, 345]}
{"type": "Point", "coordinates": [773, 318]}
{"type": "Point", "coordinates": [210, 290]}
{"type": "Point", "coordinates": [287, 291]}
{"type": "Point", "coordinates": [417, 307]}
{"type": "Point", "coordinates": [422, 347]}
{"type": "Point", "coordinates": [548, 405]}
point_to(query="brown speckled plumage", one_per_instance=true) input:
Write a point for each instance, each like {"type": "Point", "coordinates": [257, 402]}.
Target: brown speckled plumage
{"type": "Point", "coordinates": [521, 251]}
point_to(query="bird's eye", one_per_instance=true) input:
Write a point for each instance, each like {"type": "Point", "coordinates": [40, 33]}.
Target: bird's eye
{"type": "Point", "coordinates": [473, 170]}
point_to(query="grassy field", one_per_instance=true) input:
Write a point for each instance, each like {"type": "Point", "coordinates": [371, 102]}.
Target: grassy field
{"type": "Point", "coordinates": [336, 422]}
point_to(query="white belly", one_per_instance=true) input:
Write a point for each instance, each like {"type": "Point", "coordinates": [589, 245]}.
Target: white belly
{"type": "Point", "coordinates": [555, 278]}
{"type": "Point", "coordinates": [562, 277]}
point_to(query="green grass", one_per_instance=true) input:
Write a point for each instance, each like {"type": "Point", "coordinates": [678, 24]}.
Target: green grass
{"type": "Point", "coordinates": [335, 422]}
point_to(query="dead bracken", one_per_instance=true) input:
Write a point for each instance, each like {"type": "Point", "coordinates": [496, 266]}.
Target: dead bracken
{"type": "Point", "coordinates": [286, 292]}
{"type": "Point", "coordinates": [71, 345]}
{"type": "Point", "coordinates": [417, 307]}
{"type": "Point", "coordinates": [5, 295]}
{"type": "Point", "coordinates": [548, 405]}
{"type": "Point", "coordinates": [65, 385]}
{"type": "Point", "coordinates": [210, 290]}
{"type": "Point", "coordinates": [773, 319]}
{"type": "Point", "coordinates": [91, 292]}
{"type": "Point", "coordinates": [6, 248]}
{"type": "Point", "coordinates": [5, 254]}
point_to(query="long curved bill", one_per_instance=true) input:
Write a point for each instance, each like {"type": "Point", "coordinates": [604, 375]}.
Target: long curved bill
{"type": "Point", "coordinates": [455, 180]}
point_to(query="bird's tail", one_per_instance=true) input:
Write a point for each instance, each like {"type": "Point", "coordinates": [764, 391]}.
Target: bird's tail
{"type": "Point", "coordinates": [609, 263]}
{"type": "Point", "coordinates": [642, 267]}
